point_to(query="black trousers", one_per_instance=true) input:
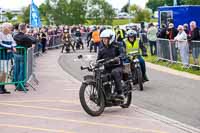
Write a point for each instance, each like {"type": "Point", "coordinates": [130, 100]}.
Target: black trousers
{"type": "Point", "coordinates": [43, 46]}
{"type": "Point", "coordinates": [116, 74]}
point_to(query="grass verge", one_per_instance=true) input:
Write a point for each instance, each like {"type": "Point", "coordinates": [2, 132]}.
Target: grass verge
{"type": "Point", "coordinates": [154, 60]}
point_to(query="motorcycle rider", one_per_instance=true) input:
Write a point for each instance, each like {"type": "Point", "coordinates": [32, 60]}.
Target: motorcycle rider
{"type": "Point", "coordinates": [96, 39]}
{"type": "Point", "coordinates": [78, 36]}
{"type": "Point", "coordinates": [132, 45]}
{"type": "Point", "coordinates": [120, 34]}
{"type": "Point", "coordinates": [67, 40]}
{"type": "Point", "coordinates": [110, 50]}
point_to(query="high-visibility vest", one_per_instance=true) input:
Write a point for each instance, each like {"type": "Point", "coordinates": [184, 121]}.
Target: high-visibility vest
{"type": "Point", "coordinates": [132, 48]}
{"type": "Point", "coordinates": [96, 36]}
{"type": "Point", "coordinates": [116, 31]}
{"type": "Point", "coordinates": [121, 34]}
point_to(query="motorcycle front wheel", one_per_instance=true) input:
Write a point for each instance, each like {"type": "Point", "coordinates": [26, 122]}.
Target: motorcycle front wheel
{"type": "Point", "coordinates": [91, 99]}
{"type": "Point", "coordinates": [139, 78]}
{"type": "Point", "coordinates": [128, 98]}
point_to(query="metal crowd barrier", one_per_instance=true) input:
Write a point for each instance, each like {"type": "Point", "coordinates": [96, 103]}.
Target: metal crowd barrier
{"type": "Point", "coordinates": [30, 56]}
{"type": "Point", "coordinates": [13, 67]}
{"type": "Point", "coordinates": [31, 67]}
{"type": "Point", "coordinates": [54, 41]}
{"type": "Point", "coordinates": [178, 51]}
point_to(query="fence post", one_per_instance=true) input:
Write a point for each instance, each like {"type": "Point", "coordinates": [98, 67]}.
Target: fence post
{"type": "Point", "coordinates": [170, 51]}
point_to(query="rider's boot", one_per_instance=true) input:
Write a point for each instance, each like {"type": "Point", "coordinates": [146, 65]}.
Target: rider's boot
{"type": "Point", "coordinates": [118, 95]}
{"type": "Point", "coordinates": [145, 78]}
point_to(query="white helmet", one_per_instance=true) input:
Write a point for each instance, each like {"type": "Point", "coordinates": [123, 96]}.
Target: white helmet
{"type": "Point", "coordinates": [132, 33]}
{"type": "Point", "coordinates": [108, 33]}
{"type": "Point", "coordinates": [94, 28]}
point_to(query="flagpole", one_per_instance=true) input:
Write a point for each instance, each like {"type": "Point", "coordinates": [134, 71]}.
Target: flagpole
{"type": "Point", "coordinates": [30, 11]}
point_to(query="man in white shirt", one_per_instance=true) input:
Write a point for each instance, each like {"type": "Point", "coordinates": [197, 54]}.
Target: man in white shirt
{"type": "Point", "coordinates": [151, 36]}
{"type": "Point", "coordinates": [7, 46]}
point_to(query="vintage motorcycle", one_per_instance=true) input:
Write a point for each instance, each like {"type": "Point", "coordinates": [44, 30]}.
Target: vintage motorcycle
{"type": "Point", "coordinates": [97, 90]}
{"type": "Point", "coordinates": [137, 77]}
{"type": "Point", "coordinates": [78, 43]}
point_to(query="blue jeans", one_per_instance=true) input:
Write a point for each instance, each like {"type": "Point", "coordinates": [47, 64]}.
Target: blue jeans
{"type": "Point", "coordinates": [18, 73]}
{"type": "Point", "coordinates": [142, 64]}
{"type": "Point", "coordinates": [153, 47]}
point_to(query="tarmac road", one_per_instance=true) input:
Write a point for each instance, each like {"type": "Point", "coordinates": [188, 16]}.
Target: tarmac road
{"type": "Point", "coordinates": [172, 96]}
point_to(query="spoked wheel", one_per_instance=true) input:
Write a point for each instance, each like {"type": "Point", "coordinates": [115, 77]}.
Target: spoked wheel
{"type": "Point", "coordinates": [139, 78]}
{"type": "Point", "coordinates": [92, 101]}
{"type": "Point", "coordinates": [128, 99]}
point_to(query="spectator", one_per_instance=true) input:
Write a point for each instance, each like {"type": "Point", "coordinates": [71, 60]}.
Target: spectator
{"type": "Point", "coordinates": [15, 29]}
{"type": "Point", "coordinates": [89, 37]}
{"type": "Point", "coordinates": [7, 44]}
{"type": "Point", "coordinates": [143, 40]}
{"type": "Point", "coordinates": [25, 41]}
{"type": "Point", "coordinates": [171, 34]}
{"type": "Point", "coordinates": [163, 31]}
{"type": "Point", "coordinates": [183, 45]}
{"type": "Point", "coordinates": [186, 28]}
{"type": "Point", "coordinates": [163, 43]}
{"type": "Point", "coordinates": [151, 35]}
{"type": "Point", "coordinates": [194, 36]}
{"type": "Point", "coordinates": [43, 39]}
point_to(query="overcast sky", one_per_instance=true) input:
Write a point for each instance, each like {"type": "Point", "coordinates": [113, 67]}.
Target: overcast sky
{"type": "Point", "coordinates": [17, 4]}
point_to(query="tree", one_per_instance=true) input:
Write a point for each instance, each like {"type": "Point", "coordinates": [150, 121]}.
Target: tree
{"type": "Point", "coordinates": [9, 15]}
{"type": "Point", "coordinates": [191, 2]}
{"type": "Point", "coordinates": [68, 12]}
{"type": "Point", "coordinates": [45, 11]}
{"type": "Point", "coordinates": [25, 14]}
{"type": "Point", "coordinates": [154, 4]}
{"type": "Point", "coordinates": [108, 13]}
{"type": "Point", "coordinates": [125, 8]}
{"type": "Point", "coordinates": [140, 14]}
{"type": "Point", "coordinates": [101, 11]}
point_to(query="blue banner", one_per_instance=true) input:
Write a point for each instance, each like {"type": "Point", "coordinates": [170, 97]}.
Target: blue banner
{"type": "Point", "coordinates": [34, 16]}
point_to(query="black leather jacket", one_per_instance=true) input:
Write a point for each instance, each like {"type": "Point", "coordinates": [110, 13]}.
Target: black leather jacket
{"type": "Point", "coordinates": [110, 52]}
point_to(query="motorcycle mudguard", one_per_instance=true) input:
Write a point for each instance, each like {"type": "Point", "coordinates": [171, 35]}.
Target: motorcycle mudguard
{"type": "Point", "coordinates": [89, 79]}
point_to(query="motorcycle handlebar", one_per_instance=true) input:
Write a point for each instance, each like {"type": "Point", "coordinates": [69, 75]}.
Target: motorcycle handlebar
{"type": "Point", "coordinates": [100, 63]}
{"type": "Point", "coordinates": [83, 67]}
{"type": "Point", "coordinates": [133, 54]}
{"type": "Point", "coordinates": [112, 60]}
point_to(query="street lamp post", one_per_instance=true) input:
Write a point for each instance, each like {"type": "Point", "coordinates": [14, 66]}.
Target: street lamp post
{"type": "Point", "coordinates": [175, 3]}
{"type": "Point", "coordinates": [1, 15]}
{"type": "Point", "coordinates": [129, 11]}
